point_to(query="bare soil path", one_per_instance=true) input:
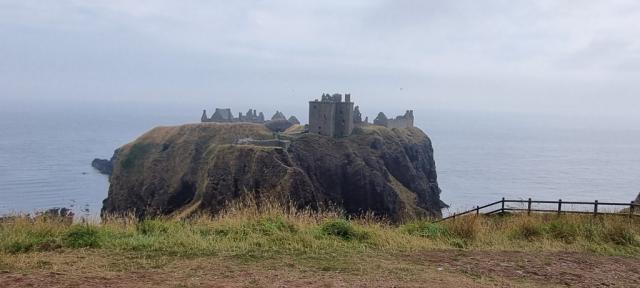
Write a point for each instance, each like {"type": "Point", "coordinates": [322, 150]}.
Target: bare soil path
{"type": "Point", "coordinates": [448, 268]}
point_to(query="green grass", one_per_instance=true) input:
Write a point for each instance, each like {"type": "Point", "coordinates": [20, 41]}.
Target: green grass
{"type": "Point", "coordinates": [425, 229]}
{"type": "Point", "coordinates": [269, 231]}
{"type": "Point", "coordinates": [82, 236]}
{"type": "Point", "coordinates": [343, 229]}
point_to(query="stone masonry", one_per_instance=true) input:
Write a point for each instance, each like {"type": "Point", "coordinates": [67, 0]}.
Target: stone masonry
{"type": "Point", "coordinates": [329, 116]}
{"type": "Point", "coordinates": [403, 121]}
{"type": "Point", "coordinates": [224, 115]}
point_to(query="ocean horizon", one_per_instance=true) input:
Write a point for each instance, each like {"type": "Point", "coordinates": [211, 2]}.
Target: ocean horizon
{"type": "Point", "coordinates": [46, 153]}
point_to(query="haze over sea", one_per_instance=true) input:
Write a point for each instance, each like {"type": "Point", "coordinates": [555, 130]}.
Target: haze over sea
{"type": "Point", "coordinates": [46, 149]}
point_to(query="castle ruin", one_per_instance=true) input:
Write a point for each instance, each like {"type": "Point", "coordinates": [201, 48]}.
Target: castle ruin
{"type": "Point", "coordinates": [251, 116]}
{"type": "Point", "coordinates": [403, 121]}
{"type": "Point", "coordinates": [330, 116]}
{"type": "Point", "coordinates": [224, 115]}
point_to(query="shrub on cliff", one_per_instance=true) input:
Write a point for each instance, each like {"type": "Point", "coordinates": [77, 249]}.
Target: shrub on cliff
{"type": "Point", "coordinates": [342, 229]}
{"type": "Point", "coordinates": [82, 236]}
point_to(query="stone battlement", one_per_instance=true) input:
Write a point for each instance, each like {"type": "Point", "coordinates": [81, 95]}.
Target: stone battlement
{"type": "Point", "coordinates": [330, 116]}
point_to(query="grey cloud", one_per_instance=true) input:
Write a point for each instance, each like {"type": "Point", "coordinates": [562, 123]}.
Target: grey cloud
{"type": "Point", "coordinates": [507, 55]}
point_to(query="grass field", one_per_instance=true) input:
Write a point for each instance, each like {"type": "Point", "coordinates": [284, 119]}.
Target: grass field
{"type": "Point", "coordinates": [253, 235]}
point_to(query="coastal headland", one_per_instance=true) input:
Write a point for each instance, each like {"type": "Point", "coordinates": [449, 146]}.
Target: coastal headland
{"type": "Point", "coordinates": [201, 167]}
{"type": "Point", "coordinates": [385, 168]}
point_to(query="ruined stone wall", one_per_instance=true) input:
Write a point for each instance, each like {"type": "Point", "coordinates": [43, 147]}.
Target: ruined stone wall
{"type": "Point", "coordinates": [222, 115]}
{"type": "Point", "coordinates": [381, 120]}
{"type": "Point", "coordinates": [225, 116]}
{"type": "Point", "coordinates": [204, 117]}
{"type": "Point", "coordinates": [357, 116]}
{"type": "Point", "coordinates": [399, 123]}
{"type": "Point", "coordinates": [278, 116]}
{"type": "Point", "coordinates": [251, 117]}
{"type": "Point", "coordinates": [404, 121]}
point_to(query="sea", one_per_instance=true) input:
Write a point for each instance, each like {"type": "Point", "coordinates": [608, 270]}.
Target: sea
{"type": "Point", "coordinates": [46, 149]}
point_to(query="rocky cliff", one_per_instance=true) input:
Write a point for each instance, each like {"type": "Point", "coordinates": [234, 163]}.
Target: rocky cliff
{"type": "Point", "coordinates": [200, 167]}
{"type": "Point", "coordinates": [105, 166]}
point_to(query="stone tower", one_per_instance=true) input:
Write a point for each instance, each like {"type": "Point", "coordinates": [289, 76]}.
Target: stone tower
{"type": "Point", "coordinates": [331, 116]}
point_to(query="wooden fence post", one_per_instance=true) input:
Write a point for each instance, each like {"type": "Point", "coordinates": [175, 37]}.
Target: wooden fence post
{"type": "Point", "coordinates": [631, 209]}
{"type": "Point", "coordinates": [559, 206]}
{"type": "Point", "coordinates": [477, 210]}
{"type": "Point", "coordinates": [529, 207]}
{"type": "Point", "coordinates": [502, 209]}
{"type": "Point", "coordinates": [595, 208]}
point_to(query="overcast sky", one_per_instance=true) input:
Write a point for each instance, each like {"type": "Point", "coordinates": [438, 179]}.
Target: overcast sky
{"type": "Point", "coordinates": [564, 57]}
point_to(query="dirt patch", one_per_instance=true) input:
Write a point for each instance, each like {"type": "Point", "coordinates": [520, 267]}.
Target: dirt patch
{"type": "Point", "coordinates": [562, 268]}
{"type": "Point", "coordinates": [209, 278]}
{"type": "Point", "coordinates": [449, 268]}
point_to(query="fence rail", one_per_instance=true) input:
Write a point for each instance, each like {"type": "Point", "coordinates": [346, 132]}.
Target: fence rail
{"type": "Point", "coordinates": [595, 211]}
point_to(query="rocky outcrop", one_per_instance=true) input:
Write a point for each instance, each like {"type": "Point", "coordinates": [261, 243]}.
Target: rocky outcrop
{"type": "Point", "coordinates": [200, 167]}
{"type": "Point", "coordinates": [105, 166]}
{"type": "Point", "coordinates": [637, 201]}
{"type": "Point", "coordinates": [58, 214]}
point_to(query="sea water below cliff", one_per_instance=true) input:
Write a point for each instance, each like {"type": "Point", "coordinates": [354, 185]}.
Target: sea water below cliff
{"type": "Point", "coordinates": [45, 155]}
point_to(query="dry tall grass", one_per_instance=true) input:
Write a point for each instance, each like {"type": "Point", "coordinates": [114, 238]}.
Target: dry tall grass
{"type": "Point", "coordinates": [257, 230]}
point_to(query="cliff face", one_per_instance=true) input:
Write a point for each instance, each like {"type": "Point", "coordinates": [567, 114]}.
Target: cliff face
{"type": "Point", "coordinates": [193, 168]}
